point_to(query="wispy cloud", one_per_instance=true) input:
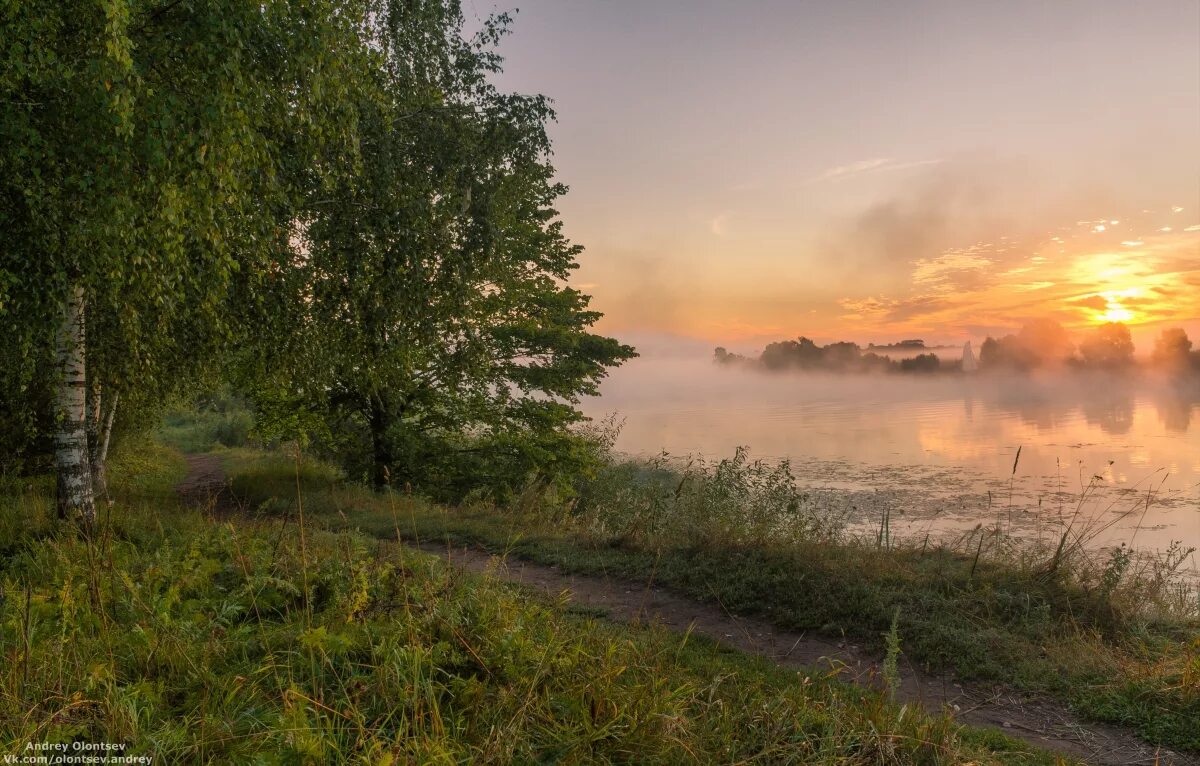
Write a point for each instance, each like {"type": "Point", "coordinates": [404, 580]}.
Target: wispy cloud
{"type": "Point", "coordinates": [894, 310]}
{"type": "Point", "coordinates": [955, 269]}
{"type": "Point", "coordinates": [870, 166]}
{"type": "Point", "coordinates": [1079, 276]}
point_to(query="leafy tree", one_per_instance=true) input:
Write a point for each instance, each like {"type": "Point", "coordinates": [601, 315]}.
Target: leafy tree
{"type": "Point", "coordinates": [922, 363]}
{"type": "Point", "coordinates": [1172, 350]}
{"type": "Point", "coordinates": [150, 155]}
{"type": "Point", "coordinates": [429, 313]}
{"type": "Point", "coordinates": [802, 353]}
{"type": "Point", "coordinates": [724, 356]}
{"type": "Point", "coordinates": [842, 355]}
{"type": "Point", "coordinates": [1108, 346]}
{"type": "Point", "coordinates": [1045, 342]}
{"type": "Point", "coordinates": [1040, 342]}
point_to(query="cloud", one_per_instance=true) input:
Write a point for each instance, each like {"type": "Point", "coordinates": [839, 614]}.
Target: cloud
{"type": "Point", "coordinates": [956, 269]}
{"type": "Point", "coordinates": [870, 166]}
{"type": "Point", "coordinates": [946, 208]}
{"type": "Point", "coordinates": [1097, 302]}
{"type": "Point", "coordinates": [862, 166]}
{"type": "Point", "coordinates": [972, 243]}
{"type": "Point", "coordinates": [1028, 287]}
{"type": "Point", "coordinates": [893, 310]}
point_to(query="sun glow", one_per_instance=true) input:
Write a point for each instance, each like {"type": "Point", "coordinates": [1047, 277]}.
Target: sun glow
{"type": "Point", "coordinates": [1115, 308]}
{"type": "Point", "coordinates": [1115, 312]}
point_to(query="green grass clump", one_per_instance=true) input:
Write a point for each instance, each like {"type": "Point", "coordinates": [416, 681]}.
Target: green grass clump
{"type": "Point", "coordinates": [266, 642]}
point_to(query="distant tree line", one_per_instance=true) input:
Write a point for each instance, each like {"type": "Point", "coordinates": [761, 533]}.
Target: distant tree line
{"type": "Point", "coordinates": [841, 357]}
{"type": "Point", "coordinates": [1041, 343]}
{"type": "Point", "coordinates": [1046, 344]}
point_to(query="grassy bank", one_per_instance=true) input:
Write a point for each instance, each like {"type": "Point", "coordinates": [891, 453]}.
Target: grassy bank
{"type": "Point", "coordinates": [256, 641]}
{"type": "Point", "coordinates": [1120, 643]}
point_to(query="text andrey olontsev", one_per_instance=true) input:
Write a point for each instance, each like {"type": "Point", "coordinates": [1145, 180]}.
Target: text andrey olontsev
{"type": "Point", "coordinates": [76, 753]}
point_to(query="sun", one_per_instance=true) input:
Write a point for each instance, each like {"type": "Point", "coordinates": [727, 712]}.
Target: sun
{"type": "Point", "coordinates": [1115, 309]}
{"type": "Point", "coordinates": [1114, 312]}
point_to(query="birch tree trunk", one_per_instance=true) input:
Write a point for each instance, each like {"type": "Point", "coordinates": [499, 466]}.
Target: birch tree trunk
{"type": "Point", "coordinates": [71, 462]}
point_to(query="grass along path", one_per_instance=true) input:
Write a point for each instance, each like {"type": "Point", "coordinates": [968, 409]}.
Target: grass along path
{"type": "Point", "coordinates": [1037, 720]}
{"type": "Point", "coordinates": [252, 639]}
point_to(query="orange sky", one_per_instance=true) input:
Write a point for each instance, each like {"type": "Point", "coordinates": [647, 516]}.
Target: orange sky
{"type": "Point", "coordinates": [871, 171]}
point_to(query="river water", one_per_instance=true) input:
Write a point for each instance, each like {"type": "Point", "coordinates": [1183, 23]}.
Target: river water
{"type": "Point", "coordinates": [1115, 459]}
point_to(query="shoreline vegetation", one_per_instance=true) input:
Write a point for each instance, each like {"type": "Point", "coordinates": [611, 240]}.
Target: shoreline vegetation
{"type": "Point", "coordinates": [1040, 345]}
{"type": "Point", "coordinates": [289, 623]}
{"type": "Point", "coordinates": [242, 639]}
{"type": "Point", "coordinates": [1114, 634]}
{"type": "Point", "coordinates": [284, 627]}
{"type": "Point", "coordinates": [1115, 637]}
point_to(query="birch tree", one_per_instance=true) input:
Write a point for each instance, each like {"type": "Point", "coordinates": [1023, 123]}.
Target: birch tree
{"type": "Point", "coordinates": [71, 457]}
{"type": "Point", "coordinates": [150, 159]}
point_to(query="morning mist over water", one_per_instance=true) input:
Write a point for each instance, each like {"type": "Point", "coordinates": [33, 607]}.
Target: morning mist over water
{"type": "Point", "coordinates": [930, 449]}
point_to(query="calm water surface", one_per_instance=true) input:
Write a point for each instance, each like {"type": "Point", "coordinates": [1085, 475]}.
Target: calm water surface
{"type": "Point", "coordinates": [939, 452]}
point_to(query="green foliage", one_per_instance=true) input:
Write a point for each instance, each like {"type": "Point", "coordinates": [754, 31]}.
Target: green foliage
{"type": "Point", "coordinates": [735, 501]}
{"type": "Point", "coordinates": [151, 155]}
{"type": "Point", "coordinates": [804, 354]}
{"type": "Point", "coordinates": [329, 203]}
{"type": "Point", "coordinates": [26, 405]}
{"type": "Point", "coordinates": [891, 659]}
{"type": "Point", "coordinates": [921, 363]}
{"type": "Point", "coordinates": [429, 322]}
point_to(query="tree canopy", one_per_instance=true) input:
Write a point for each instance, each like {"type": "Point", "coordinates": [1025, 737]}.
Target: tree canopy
{"type": "Point", "coordinates": [431, 289]}
{"type": "Point", "coordinates": [328, 202]}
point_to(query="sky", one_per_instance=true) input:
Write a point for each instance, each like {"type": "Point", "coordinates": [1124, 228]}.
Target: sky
{"type": "Point", "coordinates": [743, 172]}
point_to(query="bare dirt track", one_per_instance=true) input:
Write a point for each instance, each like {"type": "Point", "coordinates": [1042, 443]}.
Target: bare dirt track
{"type": "Point", "coordinates": [1041, 722]}
{"type": "Point", "coordinates": [206, 485]}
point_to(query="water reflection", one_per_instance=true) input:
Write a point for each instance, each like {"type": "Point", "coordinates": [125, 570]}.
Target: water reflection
{"type": "Point", "coordinates": [1175, 405]}
{"type": "Point", "coordinates": [942, 437]}
{"type": "Point", "coordinates": [1107, 403]}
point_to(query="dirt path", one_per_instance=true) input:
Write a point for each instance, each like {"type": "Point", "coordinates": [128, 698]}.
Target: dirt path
{"type": "Point", "coordinates": [206, 485]}
{"type": "Point", "coordinates": [1041, 722]}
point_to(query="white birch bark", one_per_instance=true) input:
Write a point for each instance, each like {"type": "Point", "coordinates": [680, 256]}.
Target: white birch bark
{"type": "Point", "coordinates": [71, 462]}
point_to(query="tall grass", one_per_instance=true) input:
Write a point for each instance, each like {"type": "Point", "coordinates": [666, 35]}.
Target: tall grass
{"type": "Point", "coordinates": [1116, 636]}
{"type": "Point", "coordinates": [742, 503]}
{"type": "Point", "coordinates": [201, 641]}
